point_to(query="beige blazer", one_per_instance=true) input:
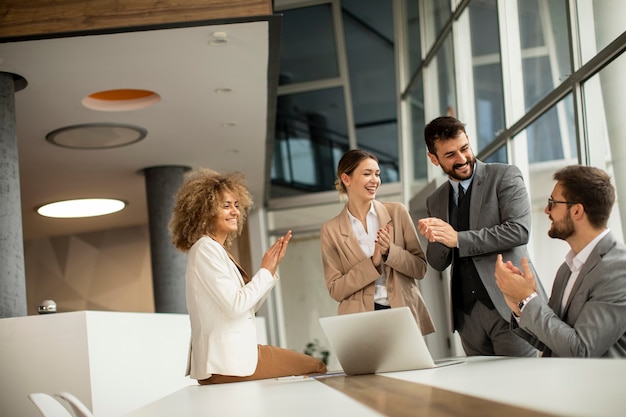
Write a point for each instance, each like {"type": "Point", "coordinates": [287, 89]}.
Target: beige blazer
{"type": "Point", "coordinates": [350, 274]}
{"type": "Point", "coordinates": [222, 312]}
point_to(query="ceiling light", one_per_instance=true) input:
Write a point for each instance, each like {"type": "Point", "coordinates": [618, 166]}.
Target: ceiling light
{"type": "Point", "coordinates": [96, 136]}
{"type": "Point", "coordinates": [121, 100]}
{"type": "Point", "coordinates": [86, 207]}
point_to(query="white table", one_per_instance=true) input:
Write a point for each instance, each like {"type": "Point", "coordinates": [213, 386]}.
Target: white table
{"type": "Point", "coordinates": [565, 387]}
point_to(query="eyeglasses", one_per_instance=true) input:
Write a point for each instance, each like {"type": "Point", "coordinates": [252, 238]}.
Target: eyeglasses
{"type": "Point", "coordinates": [552, 202]}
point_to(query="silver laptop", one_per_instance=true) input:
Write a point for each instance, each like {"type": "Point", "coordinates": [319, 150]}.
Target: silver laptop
{"type": "Point", "coordinates": [377, 341]}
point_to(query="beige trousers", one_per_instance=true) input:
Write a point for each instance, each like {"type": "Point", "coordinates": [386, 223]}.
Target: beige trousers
{"type": "Point", "coordinates": [274, 362]}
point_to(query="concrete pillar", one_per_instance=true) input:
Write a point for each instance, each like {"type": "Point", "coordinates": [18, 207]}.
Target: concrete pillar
{"type": "Point", "coordinates": [12, 276]}
{"type": "Point", "coordinates": [168, 264]}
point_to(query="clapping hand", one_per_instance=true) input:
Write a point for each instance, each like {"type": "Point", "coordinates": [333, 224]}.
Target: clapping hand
{"type": "Point", "coordinates": [276, 253]}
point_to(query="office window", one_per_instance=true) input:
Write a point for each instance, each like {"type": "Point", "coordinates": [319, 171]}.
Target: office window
{"type": "Point", "coordinates": [445, 80]}
{"type": "Point", "coordinates": [487, 75]}
{"type": "Point", "coordinates": [545, 47]}
{"type": "Point", "coordinates": [551, 145]}
{"type": "Point", "coordinates": [414, 38]}
{"type": "Point", "coordinates": [553, 136]}
{"type": "Point", "coordinates": [418, 122]}
{"type": "Point", "coordinates": [310, 130]}
{"type": "Point", "coordinates": [436, 14]}
{"type": "Point", "coordinates": [308, 53]}
{"type": "Point", "coordinates": [369, 37]}
{"type": "Point", "coordinates": [604, 101]}
{"type": "Point", "coordinates": [317, 120]}
{"type": "Point", "coordinates": [600, 23]}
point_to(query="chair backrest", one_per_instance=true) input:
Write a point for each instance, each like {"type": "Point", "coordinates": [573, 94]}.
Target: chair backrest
{"type": "Point", "coordinates": [48, 405]}
{"type": "Point", "coordinates": [80, 409]}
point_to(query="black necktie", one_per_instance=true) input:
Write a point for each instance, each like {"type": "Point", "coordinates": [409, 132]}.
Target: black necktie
{"type": "Point", "coordinates": [461, 195]}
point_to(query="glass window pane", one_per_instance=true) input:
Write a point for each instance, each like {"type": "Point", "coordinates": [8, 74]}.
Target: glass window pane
{"type": "Point", "coordinates": [551, 145]}
{"type": "Point", "coordinates": [414, 36]}
{"type": "Point", "coordinates": [307, 52]}
{"type": "Point", "coordinates": [436, 14]}
{"type": "Point", "coordinates": [418, 117]}
{"type": "Point", "coordinates": [604, 103]}
{"type": "Point", "coordinates": [545, 47]}
{"type": "Point", "coordinates": [369, 36]}
{"type": "Point", "coordinates": [310, 131]}
{"type": "Point", "coordinates": [487, 75]}
{"type": "Point", "coordinates": [444, 72]}
{"type": "Point", "coordinates": [552, 136]}
{"type": "Point", "coordinates": [600, 23]}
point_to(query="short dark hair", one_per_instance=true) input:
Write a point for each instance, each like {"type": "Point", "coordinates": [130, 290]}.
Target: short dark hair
{"type": "Point", "coordinates": [442, 128]}
{"type": "Point", "coordinates": [592, 188]}
{"type": "Point", "coordinates": [348, 163]}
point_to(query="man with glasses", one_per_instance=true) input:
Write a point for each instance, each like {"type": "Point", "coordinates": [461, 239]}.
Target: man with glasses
{"type": "Point", "coordinates": [586, 314]}
{"type": "Point", "coordinates": [482, 210]}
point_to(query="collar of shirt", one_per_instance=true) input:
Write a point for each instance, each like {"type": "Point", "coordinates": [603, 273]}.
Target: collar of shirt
{"type": "Point", "coordinates": [366, 239]}
{"type": "Point", "coordinates": [465, 183]}
{"type": "Point", "coordinates": [576, 261]}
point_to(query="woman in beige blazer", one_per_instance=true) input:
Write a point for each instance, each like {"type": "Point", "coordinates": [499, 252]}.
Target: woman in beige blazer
{"type": "Point", "coordinates": [371, 253]}
{"type": "Point", "coordinates": [209, 212]}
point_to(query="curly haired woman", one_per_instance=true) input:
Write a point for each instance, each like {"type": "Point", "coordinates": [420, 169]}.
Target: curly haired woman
{"type": "Point", "coordinates": [209, 212]}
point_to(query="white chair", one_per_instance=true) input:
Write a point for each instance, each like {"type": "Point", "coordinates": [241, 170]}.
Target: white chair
{"type": "Point", "coordinates": [77, 405]}
{"type": "Point", "coordinates": [48, 405]}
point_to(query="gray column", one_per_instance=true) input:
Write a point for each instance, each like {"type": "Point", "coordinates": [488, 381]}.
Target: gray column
{"type": "Point", "coordinates": [168, 264]}
{"type": "Point", "coordinates": [12, 276]}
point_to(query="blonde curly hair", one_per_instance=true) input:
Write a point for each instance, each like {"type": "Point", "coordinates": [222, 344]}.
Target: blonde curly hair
{"type": "Point", "coordinates": [198, 201]}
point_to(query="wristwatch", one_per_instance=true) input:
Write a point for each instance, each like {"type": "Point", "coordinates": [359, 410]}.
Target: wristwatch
{"type": "Point", "coordinates": [525, 301]}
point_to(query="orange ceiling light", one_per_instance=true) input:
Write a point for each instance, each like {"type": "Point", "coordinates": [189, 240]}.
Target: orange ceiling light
{"type": "Point", "coordinates": [125, 99]}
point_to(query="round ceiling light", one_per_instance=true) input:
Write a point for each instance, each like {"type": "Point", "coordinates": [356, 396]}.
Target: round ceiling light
{"type": "Point", "coordinates": [121, 100]}
{"type": "Point", "coordinates": [96, 135]}
{"type": "Point", "coordinates": [86, 207]}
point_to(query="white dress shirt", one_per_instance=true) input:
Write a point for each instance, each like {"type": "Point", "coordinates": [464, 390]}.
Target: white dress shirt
{"type": "Point", "coordinates": [367, 241]}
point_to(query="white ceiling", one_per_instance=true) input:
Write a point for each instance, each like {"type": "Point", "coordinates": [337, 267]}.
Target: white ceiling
{"type": "Point", "coordinates": [184, 128]}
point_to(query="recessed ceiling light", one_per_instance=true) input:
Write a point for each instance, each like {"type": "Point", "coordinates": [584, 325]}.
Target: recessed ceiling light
{"type": "Point", "coordinates": [96, 135]}
{"type": "Point", "coordinates": [121, 100]}
{"type": "Point", "coordinates": [86, 207]}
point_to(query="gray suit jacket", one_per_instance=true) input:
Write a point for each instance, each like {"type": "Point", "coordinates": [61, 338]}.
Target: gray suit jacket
{"type": "Point", "coordinates": [593, 323]}
{"type": "Point", "coordinates": [499, 224]}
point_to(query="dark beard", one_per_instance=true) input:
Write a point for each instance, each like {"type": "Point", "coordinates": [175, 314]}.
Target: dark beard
{"type": "Point", "coordinates": [452, 173]}
{"type": "Point", "coordinates": [562, 230]}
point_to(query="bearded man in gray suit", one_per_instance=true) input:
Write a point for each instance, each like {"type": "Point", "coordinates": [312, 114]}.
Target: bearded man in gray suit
{"type": "Point", "coordinates": [586, 314]}
{"type": "Point", "coordinates": [482, 211]}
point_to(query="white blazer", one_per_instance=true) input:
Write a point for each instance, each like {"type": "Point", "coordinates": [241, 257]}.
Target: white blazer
{"type": "Point", "coordinates": [221, 311]}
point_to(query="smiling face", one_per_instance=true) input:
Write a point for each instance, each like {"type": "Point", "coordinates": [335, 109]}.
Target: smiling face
{"type": "Point", "coordinates": [455, 157]}
{"type": "Point", "coordinates": [226, 220]}
{"type": "Point", "coordinates": [363, 182]}
{"type": "Point", "coordinates": [562, 226]}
